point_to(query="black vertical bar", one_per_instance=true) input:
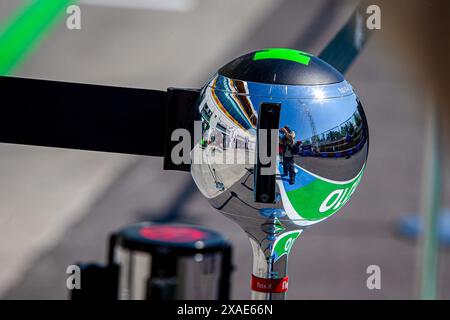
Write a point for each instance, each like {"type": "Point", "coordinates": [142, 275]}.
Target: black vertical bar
{"type": "Point", "coordinates": [225, 273]}
{"type": "Point", "coordinates": [111, 249]}
{"type": "Point", "coordinates": [181, 112]}
{"type": "Point", "coordinates": [162, 284]}
{"type": "Point", "coordinates": [269, 118]}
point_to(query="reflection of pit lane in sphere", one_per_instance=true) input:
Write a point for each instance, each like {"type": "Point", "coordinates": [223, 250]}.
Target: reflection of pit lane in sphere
{"type": "Point", "coordinates": [338, 169]}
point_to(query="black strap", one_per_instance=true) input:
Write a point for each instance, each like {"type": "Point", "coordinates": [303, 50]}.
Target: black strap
{"type": "Point", "coordinates": [123, 120]}
{"type": "Point", "coordinates": [82, 116]}
{"type": "Point", "coordinates": [181, 114]}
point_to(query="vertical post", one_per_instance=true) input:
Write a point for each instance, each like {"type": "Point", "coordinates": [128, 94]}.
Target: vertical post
{"type": "Point", "coordinates": [270, 260]}
{"type": "Point", "coordinates": [269, 276]}
{"type": "Point", "coordinates": [266, 152]}
{"type": "Point", "coordinates": [429, 245]}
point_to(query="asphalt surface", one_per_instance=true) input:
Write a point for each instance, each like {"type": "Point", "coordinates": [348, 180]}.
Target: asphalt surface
{"type": "Point", "coordinates": [338, 169]}
{"type": "Point", "coordinates": [158, 49]}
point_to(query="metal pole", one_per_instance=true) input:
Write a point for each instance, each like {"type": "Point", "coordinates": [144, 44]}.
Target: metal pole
{"type": "Point", "coordinates": [269, 277]}
{"type": "Point", "coordinates": [271, 249]}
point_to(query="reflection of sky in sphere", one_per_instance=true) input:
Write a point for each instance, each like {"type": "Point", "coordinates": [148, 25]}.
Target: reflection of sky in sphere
{"type": "Point", "coordinates": [324, 113]}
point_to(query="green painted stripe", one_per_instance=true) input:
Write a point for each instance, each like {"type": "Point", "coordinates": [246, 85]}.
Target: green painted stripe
{"type": "Point", "coordinates": [284, 244]}
{"type": "Point", "coordinates": [321, 199]}
{"type": "Point", "coordinates": [25, 28]}
{"type": "Point", "coordinates": [283, 54]}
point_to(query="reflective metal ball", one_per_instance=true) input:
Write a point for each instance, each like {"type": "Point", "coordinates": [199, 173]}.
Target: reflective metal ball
{"type": "Point", "coordinates": [322, 144]}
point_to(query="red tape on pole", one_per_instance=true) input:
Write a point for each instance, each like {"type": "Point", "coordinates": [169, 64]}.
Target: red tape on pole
{"type": "Point", "coordinates": [270, 285]}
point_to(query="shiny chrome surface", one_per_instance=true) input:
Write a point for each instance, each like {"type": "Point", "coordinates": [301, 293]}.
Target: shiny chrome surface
{"type": "Point", "coordinates": [322, 151]}
{"type": "Point", "coordinates": [329, 149]}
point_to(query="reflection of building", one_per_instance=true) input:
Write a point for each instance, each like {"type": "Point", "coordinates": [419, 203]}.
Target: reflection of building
{"type": "Point", "coordinates": [230, 117]}
{"type": "Point", "coordinates": [340, 141]}
{"type": "Point", "coordinates": [236, 105]}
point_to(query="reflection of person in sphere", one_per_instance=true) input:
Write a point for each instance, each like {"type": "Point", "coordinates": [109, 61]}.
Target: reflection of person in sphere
{"type": "Point", "coordinates": [287, 140]}
{"type": "Point", "coordinates": [348, 137]}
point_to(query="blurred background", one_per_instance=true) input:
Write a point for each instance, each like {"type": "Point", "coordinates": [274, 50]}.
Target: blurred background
{"type": "Point", "coordinates": [58, 206]}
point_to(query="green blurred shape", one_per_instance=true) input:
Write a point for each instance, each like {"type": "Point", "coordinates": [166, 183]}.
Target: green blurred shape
{"type": "Point", "coordinates": [431, 204]}
{"type": "Point", "coordinates": [25, 28]}
{"type": "Point", "coordinates": [283, 54]}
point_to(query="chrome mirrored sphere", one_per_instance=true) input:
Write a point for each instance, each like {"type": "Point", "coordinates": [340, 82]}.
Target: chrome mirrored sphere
{"type": "Point", "coordinates": [322, 144]}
